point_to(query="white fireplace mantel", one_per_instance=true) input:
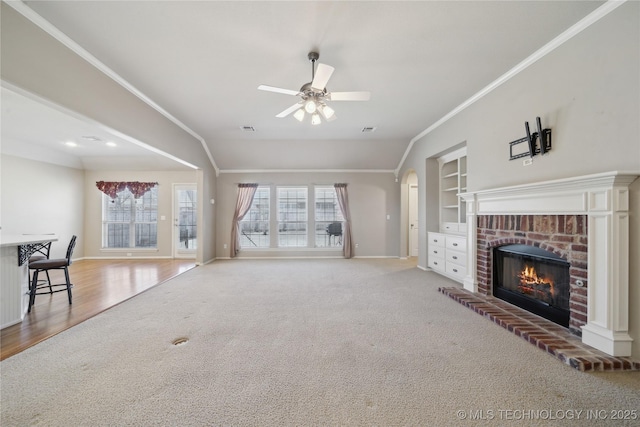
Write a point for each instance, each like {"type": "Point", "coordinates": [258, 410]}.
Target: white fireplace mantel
{"type": "Point", "coordinates": [604, 198]}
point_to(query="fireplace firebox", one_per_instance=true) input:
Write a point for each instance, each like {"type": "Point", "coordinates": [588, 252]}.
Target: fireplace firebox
{"type": "Point", "coordinates": [533, 279]}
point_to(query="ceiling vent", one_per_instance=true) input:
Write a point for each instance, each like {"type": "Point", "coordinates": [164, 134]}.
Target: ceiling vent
{"type": "Point", "coordinates": [369, 129]}
{"type": "Point", "coordinates": [247, 128]}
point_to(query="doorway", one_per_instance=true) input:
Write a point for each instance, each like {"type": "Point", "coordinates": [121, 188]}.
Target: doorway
{"type": "Point", "coordinates": [409, 224]}
{"type": "Point", "coordinates": [185, 220]}
{"type": "Point", "coordinates": [413, 220]}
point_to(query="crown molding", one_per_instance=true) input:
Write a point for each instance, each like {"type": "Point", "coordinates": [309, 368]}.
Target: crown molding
{"type": "Point", "coordinates": [230, 171]}
{"type": "Point", "coordinates": [567, 35]}
{"type": "Point", "coordinates": [54, 32]}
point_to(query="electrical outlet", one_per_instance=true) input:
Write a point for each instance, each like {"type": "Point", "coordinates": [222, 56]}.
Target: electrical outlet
{"type": "Point", "coordinates": [527, 162]}
{"type": "Point", "coordinates": [128, 253]}
{"type": "Point", "coordinates": [225, 246]}
{"type": "Point", "coordinates": [357, 245]}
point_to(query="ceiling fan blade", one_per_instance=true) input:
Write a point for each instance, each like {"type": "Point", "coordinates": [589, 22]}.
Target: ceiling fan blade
{"type": "Point", "coordinates": [279, 90]}
{"type": "Point", "coordinates": [289, 110]}
{"type": "Point", "coordinates": [350, 96]}
{"type": "Point", "coordinates": [322, 76]}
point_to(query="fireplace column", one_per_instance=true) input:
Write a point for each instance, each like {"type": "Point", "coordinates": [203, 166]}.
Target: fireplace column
{"type": "Point", "coordinates": [608, 266]}
{"type": "Point", "coordinates": [470, 282]}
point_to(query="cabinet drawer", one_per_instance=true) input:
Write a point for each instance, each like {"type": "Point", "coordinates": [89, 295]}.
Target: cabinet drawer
{"type": "Point", "coordinates": [437, 263]}
{"type": "Point", "coordinates": [436, 251]}
{"type": "Point", "coordinates": [436, 239]}
{"type": "Point", "coordinates": [456, 243]}
{"type": "Point", "coordinates": [455, 257]}
{"type": "Point", "coordinates": [456, 270]}
{"type": "Point", "coordinates": [449, 227]}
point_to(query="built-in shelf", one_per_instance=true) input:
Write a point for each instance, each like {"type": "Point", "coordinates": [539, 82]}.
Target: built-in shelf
{"type": "Point", "coordinates": [453, 180]}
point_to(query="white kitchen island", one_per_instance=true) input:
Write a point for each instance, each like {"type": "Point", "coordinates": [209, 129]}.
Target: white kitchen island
{"type": "Point", "coordinates": [14, 275]}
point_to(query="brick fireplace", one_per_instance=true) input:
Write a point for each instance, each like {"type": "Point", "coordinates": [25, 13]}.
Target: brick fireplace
{"type": "Point", "coordinates": [562, 235]}
{"type": "Point", "coordinates": [585, 221]}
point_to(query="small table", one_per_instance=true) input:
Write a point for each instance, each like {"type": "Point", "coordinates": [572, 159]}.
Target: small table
{"type": "Point", "coordinates": [14, 279]}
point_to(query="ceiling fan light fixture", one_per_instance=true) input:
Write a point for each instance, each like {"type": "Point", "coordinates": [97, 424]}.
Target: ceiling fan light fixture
{"type": "Point", "coordinates": [310, 106]}
{"type": "Point", "coordinates": [299, 115]}
{"type": "Point", "coordinates": [314, 94]}
{"type": "Point", "coordinates": [327, 112]}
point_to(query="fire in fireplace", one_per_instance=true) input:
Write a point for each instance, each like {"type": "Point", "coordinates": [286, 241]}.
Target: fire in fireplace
{"type": "Point", "coordinates": [534, 279]}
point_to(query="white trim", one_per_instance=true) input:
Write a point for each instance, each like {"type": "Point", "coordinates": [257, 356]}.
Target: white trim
{"type": "Point", "coordinates": [289, 257]}
{"type": "Point", "coordinates": [128, 257]}
{"type": "Point", "coordinates": [565, 36]}
{"type": "Point", "coordinates": [307, 171]}
{"type": "Point", "coordinates": [54, 32]}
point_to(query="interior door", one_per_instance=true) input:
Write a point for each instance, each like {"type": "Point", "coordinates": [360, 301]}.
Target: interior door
{"type": "Point", "coordinates": [185, 215]}
{"type": "Point", "coordinates": [413, 220]}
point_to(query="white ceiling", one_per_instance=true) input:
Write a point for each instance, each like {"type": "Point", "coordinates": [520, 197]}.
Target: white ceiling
{"type": "Point", "coordinates": [203, 61]}
{"type": "Point", "coordinates": [35, 129]}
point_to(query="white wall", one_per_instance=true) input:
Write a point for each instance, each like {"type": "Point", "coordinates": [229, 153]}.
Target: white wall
{"type": "Point", "coordinates": [93, 211]}
{"type": "Point", "coordinates": [73, 83]}
{"type": "Point", "coordinates": [43, 198]}
{"type": "Point", "coordinates": [588, 92]}
{"type": "Point", "coordinates": [371, 197]}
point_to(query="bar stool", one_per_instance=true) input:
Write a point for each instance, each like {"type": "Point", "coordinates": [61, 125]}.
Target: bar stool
{"type": "Point", "coordinates": [40, 251]}
{"type": "Point", "coordinates": [45, 265]}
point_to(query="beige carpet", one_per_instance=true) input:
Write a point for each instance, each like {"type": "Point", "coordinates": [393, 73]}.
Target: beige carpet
{"type": "Point", "coordinates": [302, 342]}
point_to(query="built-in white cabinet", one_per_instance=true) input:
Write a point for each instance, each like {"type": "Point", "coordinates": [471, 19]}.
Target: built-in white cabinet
{"type": "Point", "coordinates": [453, 180]}
{"type": "Point", "coordinates": [447, 249]}
{"type": "Point", "coordinates": [447, 255]}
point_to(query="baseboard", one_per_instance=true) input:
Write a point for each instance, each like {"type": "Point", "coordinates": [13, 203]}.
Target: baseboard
{"type": "Point", "coordinates": [126, 257]}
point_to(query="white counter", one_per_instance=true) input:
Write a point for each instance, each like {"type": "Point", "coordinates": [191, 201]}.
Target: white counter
{"type": "Point", "coordinates": [25, 239]}
{"type": "Point", "coordinates": [14, 278]}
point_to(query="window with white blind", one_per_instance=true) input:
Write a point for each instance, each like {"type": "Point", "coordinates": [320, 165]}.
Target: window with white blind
{"type": "Point", "coordinates": [254, 227]}
{"type": "Point", "coordinates": [328, 218]}
{"type": "Point", "coordinates": [292, 216]}
{"type": "Point", "coordinates": [128, 222]}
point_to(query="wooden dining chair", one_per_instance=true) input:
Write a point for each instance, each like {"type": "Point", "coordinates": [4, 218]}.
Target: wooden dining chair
{"type": "Point", "coordinates": [45, 265]}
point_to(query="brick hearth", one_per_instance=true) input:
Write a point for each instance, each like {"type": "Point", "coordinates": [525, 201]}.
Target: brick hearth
{"type": "Point", "coordinates": [564, 235]}
{"type": "Point", "coordinates": [542, 333]}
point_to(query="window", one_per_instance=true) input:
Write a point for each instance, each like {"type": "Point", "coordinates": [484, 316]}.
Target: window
{"type": "Point", "coordinates": [292, 216]}
{"type": "Point", "coordinates": [328, 218]}
{"type": "Point", "coordinates": [254, 227]}
{"type": "Point", "coordinates": [128, 222]}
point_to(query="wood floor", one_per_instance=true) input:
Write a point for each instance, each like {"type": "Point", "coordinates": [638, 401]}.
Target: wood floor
{"type": "Point", "coordinates": [98, 285]}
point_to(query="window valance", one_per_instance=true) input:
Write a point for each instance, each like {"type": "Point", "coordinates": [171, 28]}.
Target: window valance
{"type": "Point", "coordinates": [112, 188]}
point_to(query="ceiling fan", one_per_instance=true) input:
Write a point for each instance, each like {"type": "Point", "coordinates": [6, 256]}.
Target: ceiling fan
{"type": "Point", "coordinates": [314, 94]}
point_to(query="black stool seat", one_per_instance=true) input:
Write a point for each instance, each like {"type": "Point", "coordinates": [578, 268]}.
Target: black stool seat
{"type": "Point", "coordinates": [46, 264]}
